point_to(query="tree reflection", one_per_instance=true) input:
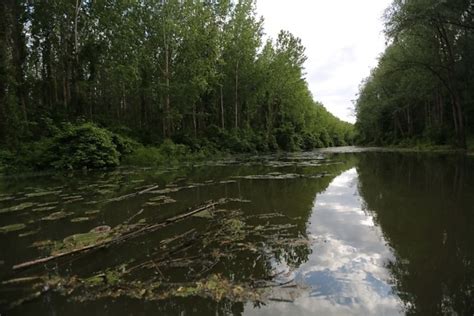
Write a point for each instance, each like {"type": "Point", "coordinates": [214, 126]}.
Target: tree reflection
{"type": "Point", "coordinates": [240, 243]}
{"type": "Point", "coordinates": [423, 204]}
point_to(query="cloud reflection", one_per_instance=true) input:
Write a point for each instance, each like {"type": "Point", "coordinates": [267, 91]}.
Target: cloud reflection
{"type": "Point", "coordinates": [346, 272]}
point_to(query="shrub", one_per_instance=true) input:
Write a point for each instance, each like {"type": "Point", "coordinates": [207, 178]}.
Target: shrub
{"type": "Point", "coordinates": [84, 146]}
{"type": "Point", "coordinates": [124, 144]}
{"type": "Point", "coordinates": [6, 158]}
{"type": "Point", "coordinates": [286, 137]}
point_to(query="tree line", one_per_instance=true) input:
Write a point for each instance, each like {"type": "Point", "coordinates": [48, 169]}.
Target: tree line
{"type": "Point", "coordinates": [190, 71]}
{"type": "Point", "coordinates": [423, 87]}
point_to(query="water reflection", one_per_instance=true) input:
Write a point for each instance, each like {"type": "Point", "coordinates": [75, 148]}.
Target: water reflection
{"type": "Point", "coordinates": [424, 206]}
{"type": "Point", "coordinates": [346, 272]}
{"type": "Point", "coordinates": [366, 233]}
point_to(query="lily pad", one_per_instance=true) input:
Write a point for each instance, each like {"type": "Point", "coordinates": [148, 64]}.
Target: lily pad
{"type": "Point", "coordinates": [41, 193]}
{"type": "Point", "coordinates": [18, 207]}
{"type": "Point", "coordinates": [29, 233]}
{"type": "Point", "coordinates": [81, 240]}
{"type": "Point", "coordinates": [160, 202]}
{"type": "Point", "coordinates": [12, 228]}
{"type": "Point", "coordinates": [47, 204]}
{"type": "Point", "coordinates": [159, 198]}
{"type": "Point", "coordinates": [6, 198]}
{"type": "Point", "coordinates": [57, 215]}
{"type": "Point", "coordinates": [227, 181]}
{"type": "Point", "coordinates": [68, 201]}
{"type": "Point", "coordinates": [79, 219]}
{"type": "Point", "coordinates": [42, 244]}
{"type": "Point", "coordinates": [101, 229]}
{"type": "Point", "coordinates": [71, 197]}
{"type": "Point", "coordinates": [44, 208]}
{"type": "Point", "coordinates": [204, 214]}
{"type": "Point", "coordinates": [104, 192]}
{"type": "Point", "coordinates": [92, 212]}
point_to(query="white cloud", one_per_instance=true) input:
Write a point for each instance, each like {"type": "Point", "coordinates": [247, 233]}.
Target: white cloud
{"type": "Point", "coordinates": [343, 39]}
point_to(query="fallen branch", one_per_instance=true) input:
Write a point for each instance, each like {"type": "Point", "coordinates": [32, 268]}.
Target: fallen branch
{"type": "Point", "coordinates": [134, 216]}
{"type": "Point", "coordinates": [122, 237]}
{"type": "Point", "coordinates": [126, 196]}
{"type": "Point", "coordinates": [56, 256]}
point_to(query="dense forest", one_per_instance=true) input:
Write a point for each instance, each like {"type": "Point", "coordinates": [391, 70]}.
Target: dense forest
{"type": "Point", "coordinates": [422, 90]}
{"type": "Point", "coordinates": [197, 73]}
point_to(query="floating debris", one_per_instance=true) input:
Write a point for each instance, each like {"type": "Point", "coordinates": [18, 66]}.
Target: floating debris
{"type": "Point", "coordinates": [80, 219]}
{"type": "Point", "coordinates": [280, 176]}
{"type": "Point", "coordinates": [21, 280]}
{"type": "Point", "coordinates": [92, 212]}
{"type": "Point", "coordinates": [19, 207]}
{"type": "Point", "coordinates": [56, 216]}
{"type": "Point", "coordinates": [69, 201]}
{"type": "Point", "coordinates": [6, 198]}
{"type": "Point", "coordinates": [70, 197]}
{"type": "Point", "coordinates": [104, 192]}
{"type": "Point", "coordinates": [160, 200]}
{"type": "Point", "coordinates": [29, 233]}
{"type": "Point", "coordinates": [204, 214]}
{"type": "Point", "coordinates": [42, 244]}
{"type": "Point", "coordinates": [165, 191]}
{"type": "Point", "coordinates": [42, 193]}
{"type": "Point", "coordinates": [11, 228]}
{"type": "Point", "coordinates": [44, 208]}
{"type": "Point", "coordinates": [47, 204]}
{"type": "Point", "coordinates": [221, 236]}
{"type": "Point", "coordinates": [101, 229]}
{"type": "Point", "coordinates": [77, 241]}
{"type": "Point", "coordinates": [227, 181]}
{"type": "Point", "coordinates": [270, 176]}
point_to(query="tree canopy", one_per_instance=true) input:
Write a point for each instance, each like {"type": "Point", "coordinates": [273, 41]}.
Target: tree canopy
{"type": "Point", "coordinates": [423, 87]}
{"type": "Point", "coordinates": [191, 71]}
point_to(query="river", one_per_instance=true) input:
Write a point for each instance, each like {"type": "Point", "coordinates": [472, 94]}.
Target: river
{"type": "Point", "coordinates": [346, 231]}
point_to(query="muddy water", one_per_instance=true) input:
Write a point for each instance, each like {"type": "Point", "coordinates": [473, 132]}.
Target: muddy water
{"type": "Point", "coordinates": [332, 232]}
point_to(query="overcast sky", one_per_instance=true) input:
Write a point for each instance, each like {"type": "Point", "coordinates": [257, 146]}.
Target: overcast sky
{"type": "Point", "coordinates": [343, 39]}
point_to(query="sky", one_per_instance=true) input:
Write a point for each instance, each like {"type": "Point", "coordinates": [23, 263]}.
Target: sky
{"type": "Point", "coordinates": [343, 39]}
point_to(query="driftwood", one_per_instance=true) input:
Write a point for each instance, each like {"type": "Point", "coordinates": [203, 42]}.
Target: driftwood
{"type": "Point", "coordinates": [126, 196]}
{"type": "Point", "coordinates": [123, 237]}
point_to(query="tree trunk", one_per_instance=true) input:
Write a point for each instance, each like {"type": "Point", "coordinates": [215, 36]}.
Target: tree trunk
{"type": "Point", "coordinates": [194, 120]}
{"type": "Point", "coordinates": [76, 69]}
{"type": "Point", "coordinates": [167, 119]}
{"type": "Point", "coordinates": [222, 109]}
{"type": "Point", "coordinates": [236, 104]}
{"type": "Point", "coordinates": [450, 62]}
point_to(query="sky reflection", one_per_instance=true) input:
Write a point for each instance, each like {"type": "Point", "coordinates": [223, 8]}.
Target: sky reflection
{"type": "Point", "coordinates": [346, 273]}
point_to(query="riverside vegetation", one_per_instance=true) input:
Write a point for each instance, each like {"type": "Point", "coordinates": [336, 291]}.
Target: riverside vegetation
{"type": "Point", "coordinates": [84, 84]}
{"type": "Point", "coordinates": [422, 91]}
{"type": "Point", "coordinates": [159, 87]}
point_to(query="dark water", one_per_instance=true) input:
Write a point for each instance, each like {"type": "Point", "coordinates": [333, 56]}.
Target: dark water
{"type": "Point", "coordinates": [333, 232]}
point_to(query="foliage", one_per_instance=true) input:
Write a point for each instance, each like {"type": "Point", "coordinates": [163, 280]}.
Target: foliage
{"type": "Point", "coordinates": [195, 72]}
{"type": "Point", "coordinates": [85, 145]}
{"type": "Point", "coordinates": [422, 88]}
{"type": "Point", "coordinates": [73, 146]}
{"type": "Point", "coordinates": [166, 154]}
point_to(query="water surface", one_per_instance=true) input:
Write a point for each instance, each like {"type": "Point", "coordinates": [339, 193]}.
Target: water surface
{"type": "Point", "coordinates": [332, 232]}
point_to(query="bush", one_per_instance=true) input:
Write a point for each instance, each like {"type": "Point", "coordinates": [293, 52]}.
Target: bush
{"type": "Point", "coordinates": [167, 153]}
{"type": "Point", "coordinates": [286, 138]}
{"type": "Point", "coordinates": [83, 146]}
{"type": "Point", "coordinates": [124, 145]}
{"type": "Point", "coordinates": [6, 158]}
